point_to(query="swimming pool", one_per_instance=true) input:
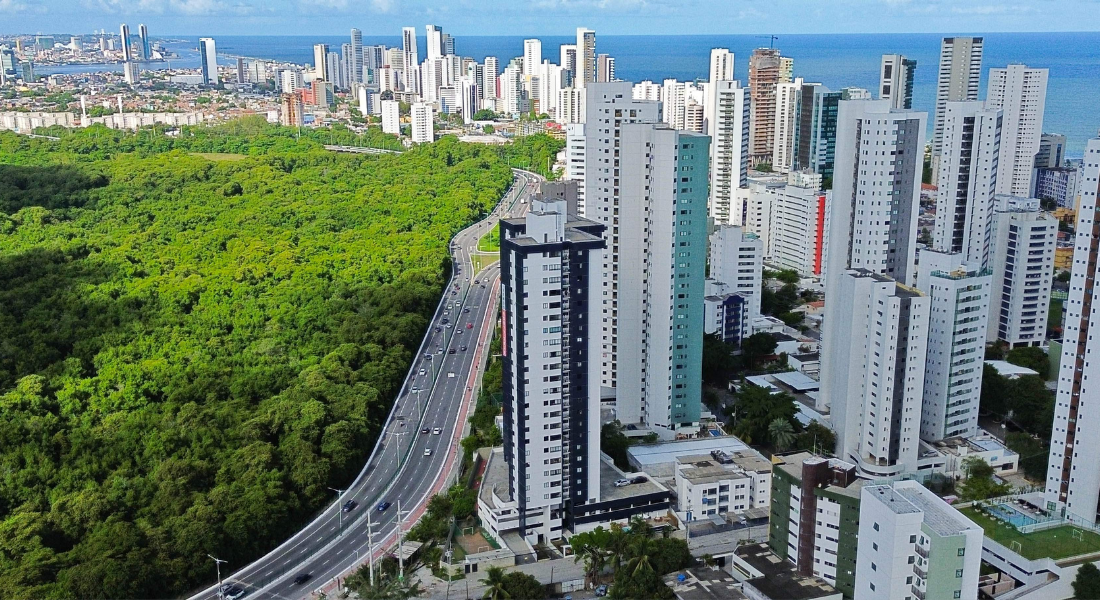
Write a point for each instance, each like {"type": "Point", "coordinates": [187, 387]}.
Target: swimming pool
{"type": "Point", "coordinates": [1009, 513]}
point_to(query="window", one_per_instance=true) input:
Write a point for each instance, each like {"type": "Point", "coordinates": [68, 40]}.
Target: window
{"type": "Point", "coordinates": [958, 594]}
{"type": "Point", "coordinates": [962, 551]}
{"type": "Point", "coordinates": [876, 526]}
{"type": "Point", "coordinates": [958, 572]}
{"type": "Point", "coordinates": [872, 587]}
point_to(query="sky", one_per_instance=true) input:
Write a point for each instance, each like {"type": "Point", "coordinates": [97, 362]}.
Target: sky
{"type": "Point", "coordinates": [548, 17]}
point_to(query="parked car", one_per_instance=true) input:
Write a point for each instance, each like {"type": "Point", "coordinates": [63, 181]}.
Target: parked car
{"type": "Point", "coordinates": [382, 506]}
{"type": "Point", "coordinates": [622, 482]}
{"type": "Point", "coordinates": [601, 590]}
{"type": "Point", "coordinates": [638, 479]}
{"type": "Point", "coordinates": [301, 578]}
{"type": "Point", "coordinates": [349, 506]}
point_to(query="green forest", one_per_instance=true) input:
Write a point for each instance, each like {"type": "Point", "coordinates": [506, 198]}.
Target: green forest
{"type": "Point", "coordinates": [193, 350]}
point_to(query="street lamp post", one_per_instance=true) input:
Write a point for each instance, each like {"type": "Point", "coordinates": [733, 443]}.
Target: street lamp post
{"type": "Point", "coordinates": [218, 566]}
{"type": "Point", "coordinates": [339, 494]}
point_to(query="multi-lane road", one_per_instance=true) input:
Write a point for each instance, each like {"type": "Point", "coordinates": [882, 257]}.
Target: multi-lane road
{"type": "Point", "coordinates": [407, 466]}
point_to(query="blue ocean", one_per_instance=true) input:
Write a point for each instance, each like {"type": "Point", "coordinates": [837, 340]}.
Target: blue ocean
{"type": "Point", "coordinates": [836, 60]}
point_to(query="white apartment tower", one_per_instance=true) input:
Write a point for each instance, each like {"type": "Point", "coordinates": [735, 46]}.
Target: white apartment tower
{"type": "Point", "coordinates": [492, 73]}
{"type": "Point", "coordinates": [1024, 239]}
{"type": "Point", "coordinates": [409, 54]}
{"type": "Point", "coordinates": [391, 117]}
{"type": "Point", "coordinates": [356, 66]}
{"type": "Point", "coordinates": [896, 80]}
{"type": "Point", "coordinates": [1021, 94]}
{"type": "Point", "coordinates": [550, 282]}
{"type": "Point", "coordinates": [737, 260]}
{"type": "Point", "coordinates": [1073, 474]}
{"type": "Point", "coordinates": [787, 96]}
{"type": "Point", "coordinates": [728, 129]}
{"type": "Point", "coordinates": [967, 181]}
{"type": "Point", "coordinates": [575, 160]}
{"type": "Point", "coordinates": [532, 56]}
{"type": "Point", "coordinates": [876, 189]}
{"type": "Point", "coordinates": [586, 58]}
{"type": "Point", "coordinates": [420, 115]}
{"type": "Point", "coordinates": [209, 57]}
{"type": "Point", "coordinates": [434, 35]}
{"type": "Point", "coordinates": [797, 236]}
{"type": "Point", "coordinates": [960, 295]}
{"type": "Point", "coordinates": [721, 65]}
{"type": "Point", "coordinates": [872, 371]}
{"type": "Point", "coordinates": [648, 185]}
{"type": "Point", "coordinates": [912, 544]}
{"type": "Point", "coordinates": [959, 77]}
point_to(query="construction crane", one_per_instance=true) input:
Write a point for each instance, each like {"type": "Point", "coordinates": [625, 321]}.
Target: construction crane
{"type": "Point", "coordinates": [771, 44]}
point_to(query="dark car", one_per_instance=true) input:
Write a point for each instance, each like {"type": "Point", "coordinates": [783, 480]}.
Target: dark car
{"type": "Point", "coordinates": [466, 310]}
{"type": "Point", "coordinates": [301, 578]}
{"type": "Point", "coordinates": [425, 431]}
{"type": "Point", "coordinates": [350, 505]}
{"type": "Point", "coordinates": [382, 506]}
{"type": "Point", "coordinates": [444, 320]}
{"type": "Point", "coordinates": [451, 351]}
{"type": "Point", "coordinates": [463, 348]}
{"type": "Point", "coordinates": [638, 479]}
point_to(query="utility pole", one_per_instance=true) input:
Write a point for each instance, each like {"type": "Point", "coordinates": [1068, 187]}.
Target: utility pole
{"type": "Point", "coordinates": [218, 565]}
{"type": "Point", "coordinates": [400, 544]}
{"type": "Point", "coordinates": [370, 548]}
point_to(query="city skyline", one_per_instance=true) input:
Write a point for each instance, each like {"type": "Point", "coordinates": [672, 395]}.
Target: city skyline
{"type": "Point", "coordinates": [612, 17]}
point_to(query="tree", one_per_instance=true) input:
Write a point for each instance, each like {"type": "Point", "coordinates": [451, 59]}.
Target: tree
{"type": "Point", "coordinates": [495, 584]}
{"type": "Point", "coordinates": [489, 129]}
{"type": "Point", "coordinates": [593, 547]}
{"type": "Point", "coordinates": [1086, 585]}
{"type": "Point", "coordinates": [755, 409]}
{"type": "Point", "coordinates": [522, 586]}
{"type": "Point", "coordinates": [757, 346]}
{"type": "Point", "coordinates": [1031, 357]}
{"type": "Point", "coordinates": [994, 394]}
{"type": "Point", "coordinates": [718, 360]}
{"type": "Point", "coordinates": [979, 483]}
{"type": "Point", "coordinates": [816, 438]}
{"type": "Point", "coordinates": [1034, 454]}
{"type": "Point", "coordinates": [788, 276]}
{"type": "Point", "coordinates": [614, 443]}
{"type": "Point", "coordinates": [781, 434]}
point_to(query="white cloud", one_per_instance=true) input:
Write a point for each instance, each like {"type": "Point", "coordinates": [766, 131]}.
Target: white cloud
{"type": "Point", "coordinates": [178, 7]}
{"type": "Point", "coordinates": [10, 6]}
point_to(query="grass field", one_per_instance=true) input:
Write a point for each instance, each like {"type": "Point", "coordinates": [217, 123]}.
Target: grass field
{"type": "Point", "coordinates": [483, 260]}
{"type": "Point", "coordinates": [1056, 543]}
{"type": "Point", "coordinates": [490, 242]}
{"type": "Point", "coordinates": [218, 156]}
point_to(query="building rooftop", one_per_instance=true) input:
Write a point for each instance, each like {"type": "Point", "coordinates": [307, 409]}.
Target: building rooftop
{"type": "Point", "coordinates": [938, 515]}
{"type": "Point", "coordinates": [495, 478]}
{"type": "Point", "coordinates": [792, 465]}
{"type": "Point", "coordinates": [1010, 370]}
{"type": "Point", "coordinates": [779, 579]}
{"type": "Point", "coordinates": [704, 584]}
{"type": "Point", "coordinates": [707, 468]}
{"type": "Point", "coordinates": [666, 452]}
{"type": "Point", "coordinates": [892, 499]}
{"type": "Point", "coordinates": [609, 474]}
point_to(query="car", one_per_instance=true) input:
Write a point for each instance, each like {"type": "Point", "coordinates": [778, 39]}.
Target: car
{"type": "Point", "coordinates": [349, 506]}
{"type": "Point", "coordinates": [427, 355]}
{"type": "Point", "coordinates": [414, 389]}
{"type": "Point", "coordinates": [427, 451]}
{"type": "Point", "coordinates": [234, 593]}
{"type": "Point", "coordinates": [601, 590]}
{"type": "Point", "coordinates": [437, 431]}
{"type": "Point", "coordinates": [451, 351]}
{"type": "Point", "coordinates": [483, 286]}
{"type": "Point", "coordinates": [622, 482]}
{"type": "Point", "coordinates": [225, 588]}
{"type": "Point", "coordinates": [383, 505]}
{"type": "Point", "coordinates": [439, 350]}
{"type": "Point", "coordinates": [438, 329]}
{"type": "Point", "coordinates": [454, 293]}
{"type": "Point", "coordinates": [444, 320]}
{"type": "Point", "coordinates": [476, 281]}
{"type": "Point", "coordinates": [301, 578]}
{"type": "Point", "coordinates": [425, 431]}
{"type": "Point", "coordinates": [463, 348]}
{"type": "Point", "coordinates": [422, 372]}
{"type": "Point", "coordinates": [465, 310]}
{"type": "Point", "coordinates": [469, 326]}
{"type": "Point", "coordinates": [638, 479]}
{"type": "Point", "coordinates": [458, 331]}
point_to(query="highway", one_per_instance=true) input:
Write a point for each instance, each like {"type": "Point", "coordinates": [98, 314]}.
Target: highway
{"type": "Point", "coordinates": [437, 394]}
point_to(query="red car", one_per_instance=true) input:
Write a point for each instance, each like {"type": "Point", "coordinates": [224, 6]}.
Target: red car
{"type": "Point", "coordinates": [469, 326]}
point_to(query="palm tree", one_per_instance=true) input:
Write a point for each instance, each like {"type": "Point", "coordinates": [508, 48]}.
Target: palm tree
{"type": "Point", "coordinates": [494, 579]}
{"type": "Point", "coordinates": [781, 433]}
{"type": "Point", "coordinates": [593, 547]}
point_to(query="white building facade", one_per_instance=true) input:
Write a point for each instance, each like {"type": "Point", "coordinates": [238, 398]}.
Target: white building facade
{"type": "Point", "coordinates": [1021, 94]}
{"type": "Point", "coordinates": [1024, 241]}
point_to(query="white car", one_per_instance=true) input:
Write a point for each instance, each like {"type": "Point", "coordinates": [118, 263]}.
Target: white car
{"type": "Point", "coordinates": [427, 451]}
{"type": "Point", "coordinates": [622, 482]}
{"type": "Point", "coordinates": [437, 431]}
{"type": "Point", "coordinates": [422, 372]}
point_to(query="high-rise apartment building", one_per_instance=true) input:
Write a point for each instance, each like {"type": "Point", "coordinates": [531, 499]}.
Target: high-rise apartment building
{"type": "Point", "coordinates": [787, 103]}
{"type": "Point", "coordinates": [763, 79]}
{"type": "Point", "coordinates": [797, 236]}
{"type": "Point", "coordinates": [434, 41]}
{"type": "Point", "coordinates": [420, 117]}
{"type": "Point", "coordinates": [551, 286]}
{"type": "Point", "coordinates": [820, 150]}
{"type": "Point", "coordinates": [960, 294]}
{"type": "Point", "coordinates": [290, 80]}
{"type": "Point", "coordinates": [737, 260]}
{"type": "Point", "coordinates": [492, 73]}
{"type": "Point", "coordinates": [652, 197]}
{"type": "Point", "coordinates": [1021, 94]}
{"type": "Point", "coordinates": [291, 111]}
{"type": "Point", "coordinates": [124, 37]}
{"type": "Point", "coordinates": [815, 516]}
{"type": "Point", "coordinates": [208, 60]}
{"type": "Point", "coordinates": [721, 65]}
{"type": "Point", "coordinates": [959, 76]}
{"type": "Point", "coordinates": [872, 369]}
{"type": "Point", "coordinates": [355, 65]}
{"type": "Point", "coordinates": [605, 68]}
{"type": "Point", "coordinates": [320, 61]}
{"type": "Point", "coordinates": [409, 54]}
{"type": "Point", "coordinates": [967, 181]}
{"type": "Point", "coordinates": [1052, 151]}
{"type": "Point", "coordinates": [912, 544]}
{"type": "Point", "coordinates": [532, 56]}
{"type": "Point", "coordinates": [242, 74]}
{"type": "Point", "coordinates": [728, 128]}
{"type": "Point", "coordinates": [586, 58]}
{"type": "Point", "coordinates": [673, 103]}
{"type": "Point", "coordinates": [609, 107]}
{"type": "Point", "coordinates": [876, 189]}
{"type": "Point", "coordinates": [1073, 473]}
{"type": "Point", "coordinates": [896, 80]}
{"type": "Point", "coordinates": [391, 117]}
{"type": "Point", "coordinates": [1024, 239]}
{"type": "Point", "coordinates": [146, 48]}
{"type": "Point", "coordinates": [575, 159]}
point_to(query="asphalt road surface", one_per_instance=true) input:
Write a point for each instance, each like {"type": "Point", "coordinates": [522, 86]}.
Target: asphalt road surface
{"type": "Point", "coordinates": [399, 470]}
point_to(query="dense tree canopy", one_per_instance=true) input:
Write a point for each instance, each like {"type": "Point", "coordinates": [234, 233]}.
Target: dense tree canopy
{"type": "Point", "coordinates": [193, 350]}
